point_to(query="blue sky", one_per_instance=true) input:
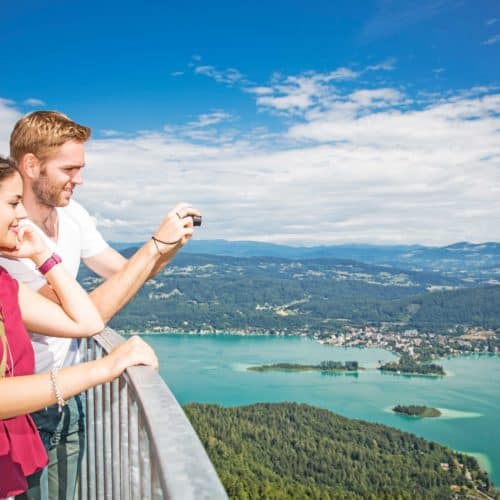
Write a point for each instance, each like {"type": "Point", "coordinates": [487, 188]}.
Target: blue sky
{"type": "Point", "coordinates": [295, 122]}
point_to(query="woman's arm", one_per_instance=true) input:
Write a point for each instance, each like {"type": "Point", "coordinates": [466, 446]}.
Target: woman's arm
{"type": "Point", "coordinates": [25, 394]}
{"type": "Point", "coordinates": [76, 316]}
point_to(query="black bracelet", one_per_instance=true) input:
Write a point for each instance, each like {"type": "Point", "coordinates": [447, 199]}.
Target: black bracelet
{"type": "Point", "coordinates": [157, 240]}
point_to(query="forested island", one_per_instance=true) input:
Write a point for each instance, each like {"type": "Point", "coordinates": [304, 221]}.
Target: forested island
{"type": "Point", "coordinates": [295, 451]}
{"type": "Point", "coordinates": [324, 366]}
{"type": "Point", "coordinates": [417, 411]}
{"type": "Point", "coordinates": [408, 365]}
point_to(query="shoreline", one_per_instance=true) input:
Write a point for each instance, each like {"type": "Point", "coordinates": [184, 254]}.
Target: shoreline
{"type": "Point", "coordinates": [261, 333]}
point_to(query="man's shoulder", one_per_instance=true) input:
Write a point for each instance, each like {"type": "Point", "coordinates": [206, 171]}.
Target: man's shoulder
{"type": "Point", "coordinates": [74, 210]}
{"type": "Point", "coordinates": [75, 214]}
{"type": "Point", "coordinates": [75, 220]}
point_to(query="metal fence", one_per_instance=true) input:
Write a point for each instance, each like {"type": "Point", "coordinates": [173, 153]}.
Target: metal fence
{"type": "Point", "coordinates": [140, 445]}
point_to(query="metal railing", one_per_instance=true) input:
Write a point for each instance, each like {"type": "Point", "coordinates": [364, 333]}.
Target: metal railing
{"type": "Point", "coordinates": [139, 443]}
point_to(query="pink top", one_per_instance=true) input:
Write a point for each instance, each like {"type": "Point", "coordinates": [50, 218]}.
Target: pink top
{"type": "Point", "coordinates": [21, 450]}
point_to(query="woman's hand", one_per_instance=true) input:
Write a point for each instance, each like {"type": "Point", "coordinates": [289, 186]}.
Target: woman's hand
{"type": "Point", "coordinates": [29, 245]}
{"type": "Point", "coordinates": [133, 351]}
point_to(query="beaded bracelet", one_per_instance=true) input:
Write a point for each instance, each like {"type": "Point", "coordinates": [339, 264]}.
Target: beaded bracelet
{"type": "Point", "coordinates": [60, 401]}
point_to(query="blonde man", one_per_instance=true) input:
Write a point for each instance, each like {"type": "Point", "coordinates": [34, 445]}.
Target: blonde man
{"type": "Point", "coordinates": [50, 151]}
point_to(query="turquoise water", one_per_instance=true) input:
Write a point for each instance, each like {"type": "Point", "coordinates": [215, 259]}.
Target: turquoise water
{"type": "Point", "coordinates": [212, 369]}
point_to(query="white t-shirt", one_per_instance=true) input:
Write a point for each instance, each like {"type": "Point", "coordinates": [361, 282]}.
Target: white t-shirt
{"type": "Point", "coordinates": [78, 238]}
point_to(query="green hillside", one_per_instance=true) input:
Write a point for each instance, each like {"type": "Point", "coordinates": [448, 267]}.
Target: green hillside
{"type": "Point", "coordinates": [203, 292]}
{"type": "Point", "coordinates": [294, 451]}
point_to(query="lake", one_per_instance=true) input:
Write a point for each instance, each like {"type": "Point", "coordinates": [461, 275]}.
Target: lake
{"type": "Point", "coordinates": [213, 369]}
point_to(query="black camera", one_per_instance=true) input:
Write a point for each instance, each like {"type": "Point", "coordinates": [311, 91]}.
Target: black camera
{"type": "Point", "coordinates": [196, 220]}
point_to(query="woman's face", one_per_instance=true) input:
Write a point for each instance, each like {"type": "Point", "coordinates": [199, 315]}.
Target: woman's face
{"type": "Point", "coordinates": [11, 209]}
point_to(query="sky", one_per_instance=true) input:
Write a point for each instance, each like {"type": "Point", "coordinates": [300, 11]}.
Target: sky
{"type": "Point", "coordinates": [304, 123]}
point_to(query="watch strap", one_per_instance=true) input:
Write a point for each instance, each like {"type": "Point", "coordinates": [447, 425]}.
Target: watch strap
{"type": "Point", "coordinates": [49, 263]}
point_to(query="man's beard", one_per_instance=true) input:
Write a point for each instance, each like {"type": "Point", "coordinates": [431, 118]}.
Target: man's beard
{"type": "Point", "coordinates": [47, 193]}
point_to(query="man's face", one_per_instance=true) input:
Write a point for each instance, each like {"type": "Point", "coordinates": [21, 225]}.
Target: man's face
{"type": "Point", "coordinates": [59, 175]}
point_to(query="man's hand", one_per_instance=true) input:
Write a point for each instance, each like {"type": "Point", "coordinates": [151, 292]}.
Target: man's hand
{"type": "Point", "coordinates": [175, 230]}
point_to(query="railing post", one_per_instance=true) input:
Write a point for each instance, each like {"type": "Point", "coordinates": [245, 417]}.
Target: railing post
{"type": "Point", "coordinates": [140, 444]}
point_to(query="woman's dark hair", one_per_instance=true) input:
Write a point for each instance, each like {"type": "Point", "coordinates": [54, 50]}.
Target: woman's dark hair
{"type": "Point", "coordinates": [7, 168]}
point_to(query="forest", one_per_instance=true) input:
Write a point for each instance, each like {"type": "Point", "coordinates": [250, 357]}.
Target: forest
{"type": "Point", "coordinates": [295, 451]}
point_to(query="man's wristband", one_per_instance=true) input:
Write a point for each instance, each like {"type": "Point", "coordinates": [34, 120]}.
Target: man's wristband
{"type": "Point", "coordinates": [156, 241]}
{"type": "Point", "coordinates": [49, 263]}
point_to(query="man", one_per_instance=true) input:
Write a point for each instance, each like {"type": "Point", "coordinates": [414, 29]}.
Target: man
{"type": "Point", "coordinates": [49, 150]}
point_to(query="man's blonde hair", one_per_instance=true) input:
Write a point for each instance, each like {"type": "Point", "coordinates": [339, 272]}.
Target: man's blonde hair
{"type": "Point", "coordinates": [42, 132]}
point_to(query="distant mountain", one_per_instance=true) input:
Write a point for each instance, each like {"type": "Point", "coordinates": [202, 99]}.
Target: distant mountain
{"type": "Point", "coordinates": [469, 262]}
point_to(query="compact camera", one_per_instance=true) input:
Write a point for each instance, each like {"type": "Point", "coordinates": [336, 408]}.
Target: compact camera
{"type": "Point", "coordinates": [196, 220]}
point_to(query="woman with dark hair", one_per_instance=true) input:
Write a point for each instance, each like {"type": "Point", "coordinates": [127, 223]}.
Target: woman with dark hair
{"type": "Point", "coordinates": [21, 450]}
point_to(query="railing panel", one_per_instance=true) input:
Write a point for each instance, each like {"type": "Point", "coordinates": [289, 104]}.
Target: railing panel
{"type": "Point", "coordinates": [140, 444]}
{"type": "Point", "coordinates": [115, 436]}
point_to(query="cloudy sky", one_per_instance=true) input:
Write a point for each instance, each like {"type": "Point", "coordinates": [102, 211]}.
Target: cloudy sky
{"type": "Point", "coordinates": [296, 122]}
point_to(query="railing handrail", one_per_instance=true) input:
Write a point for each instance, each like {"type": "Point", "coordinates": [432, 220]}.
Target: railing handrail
{"type": "Point", "coordinates": [184, 469]}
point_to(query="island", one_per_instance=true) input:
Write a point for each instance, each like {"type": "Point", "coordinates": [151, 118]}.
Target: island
{"type": "Point", "coordinates": [408, 365]}
{"type": "Point", "coordinates": [324, 366]}
{"type": "Point", "coordinates": [417, 411]}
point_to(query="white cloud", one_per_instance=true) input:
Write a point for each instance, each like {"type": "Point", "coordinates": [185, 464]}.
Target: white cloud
{"type": "Point", "coordinates": [110, 132]}
{"type": "Point", "coordinates": [363, 164]}
{"type": "Point", "coordinates": [32, 101]}
{"type": "Point", "coordinates": [227, 76]}
{"type": "Point", "coordinates": [259, 90]}
{"type": "Point", "coordinates": [208, 119]}
{"type": "Point", "coordinates": [491, 21]}
{"type": "Point", "coordinates": [103, 222]}
{"type": "Point", "coordinates": [177, 73]}
{"type": "Point", "coordinates": [8, 117]}
{"type": "Point", "coordinates": [339, 74]}
{"type": "Point", "coordinates": [295, 94]}
{"type": "Point", "coordinates": [492, 40]}
{"type": "Point", "coordinates": [377, 97]}
{"type": "Point", "coordinates": [387, 65]}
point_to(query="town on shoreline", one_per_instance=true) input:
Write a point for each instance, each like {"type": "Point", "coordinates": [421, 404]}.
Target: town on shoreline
{"type": "Point", "coordinates": [421, 346]}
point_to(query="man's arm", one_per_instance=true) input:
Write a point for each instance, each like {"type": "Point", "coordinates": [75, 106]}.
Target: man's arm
{"type": "Point", "coordinates": [106, 263]}
{"type": "Point", "coordinates": [126, 277]}
{"type": "Point", "coordinates": [109, 262]}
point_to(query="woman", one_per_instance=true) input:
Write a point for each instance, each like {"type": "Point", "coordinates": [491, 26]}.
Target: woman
{"type": "Point", "coordinates": [21, 450]}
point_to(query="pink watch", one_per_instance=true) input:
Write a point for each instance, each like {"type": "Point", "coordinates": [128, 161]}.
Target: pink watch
{"type": "Point", "coordinates": [49, 263]}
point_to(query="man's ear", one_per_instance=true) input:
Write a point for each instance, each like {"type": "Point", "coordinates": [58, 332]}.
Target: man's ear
{"type": "Point", "coordinates": [29, 165]}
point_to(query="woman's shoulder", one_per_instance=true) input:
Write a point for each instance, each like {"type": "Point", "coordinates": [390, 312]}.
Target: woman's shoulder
{"type": "Point", "coordinates": [6, 280]}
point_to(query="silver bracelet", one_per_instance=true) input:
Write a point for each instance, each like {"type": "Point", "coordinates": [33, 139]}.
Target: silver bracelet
{"type": "Point", "coordinates": [60, 401]}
